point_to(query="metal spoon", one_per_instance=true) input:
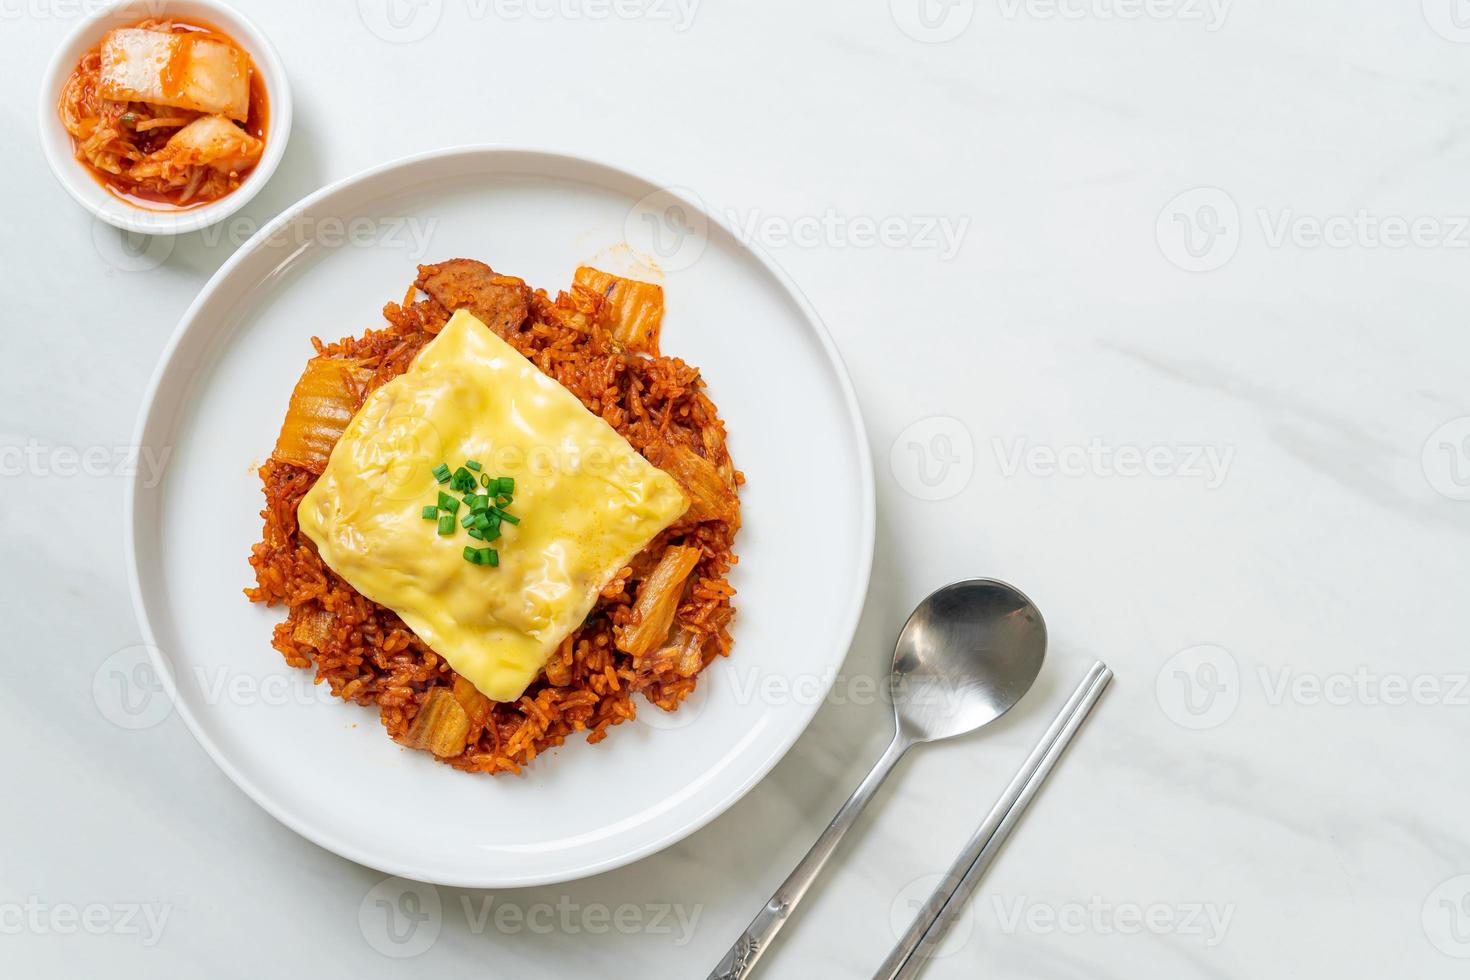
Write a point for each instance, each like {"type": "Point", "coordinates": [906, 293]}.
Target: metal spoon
{"type": "Point", "coordinates": [964, 658]}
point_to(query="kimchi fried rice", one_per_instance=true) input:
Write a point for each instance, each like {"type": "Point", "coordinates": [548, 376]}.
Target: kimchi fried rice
{"type": "Point", "coordinates": [586, 340]}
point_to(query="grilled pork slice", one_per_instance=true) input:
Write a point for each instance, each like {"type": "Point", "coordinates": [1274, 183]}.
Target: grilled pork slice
{"type": "Point", "coordinates": [499, 302]}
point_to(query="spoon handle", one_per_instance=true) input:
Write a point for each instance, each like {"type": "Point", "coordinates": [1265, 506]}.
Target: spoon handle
{"type": "Point", "coordinates": [756, 939]}
{"type": "Point", "coordinates": [928, 929]}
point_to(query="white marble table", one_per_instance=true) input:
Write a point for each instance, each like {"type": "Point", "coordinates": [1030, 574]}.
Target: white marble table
{"type": "Point", "coordinates": [1156, 310]}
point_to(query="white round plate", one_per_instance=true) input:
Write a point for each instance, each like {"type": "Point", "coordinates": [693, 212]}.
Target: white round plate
{"type": "Point", "coordinates": [326, 768]}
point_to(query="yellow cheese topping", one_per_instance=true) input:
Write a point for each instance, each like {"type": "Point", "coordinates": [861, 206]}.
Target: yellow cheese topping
{"type": "Point", "coordinates": [588, 503]}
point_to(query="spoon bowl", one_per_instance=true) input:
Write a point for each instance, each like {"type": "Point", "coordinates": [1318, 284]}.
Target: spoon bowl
{"type": "Point", "coordinates": [967, 654]}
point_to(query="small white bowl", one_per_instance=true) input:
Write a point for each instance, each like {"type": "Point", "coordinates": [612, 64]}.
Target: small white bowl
{"type": "Point", "coordinates": [78, 179]}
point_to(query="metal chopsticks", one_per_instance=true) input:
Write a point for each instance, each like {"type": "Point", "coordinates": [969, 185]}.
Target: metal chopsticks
{"type": "Point", "coordinates": [933, 919]}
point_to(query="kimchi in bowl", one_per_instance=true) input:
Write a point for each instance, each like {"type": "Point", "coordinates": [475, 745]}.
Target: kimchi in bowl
{"type": "Point", "coordinates": [109, 200]}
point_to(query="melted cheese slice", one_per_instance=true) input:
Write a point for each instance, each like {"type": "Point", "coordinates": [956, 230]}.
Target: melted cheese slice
{"type": "Point", "coordinates": [588, 502]}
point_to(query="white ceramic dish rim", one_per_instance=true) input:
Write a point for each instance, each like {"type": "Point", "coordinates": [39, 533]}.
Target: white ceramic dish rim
{"type": "Point", "coordinates": [303, 824]}
{"type": "Point", "coordinates": [80, 184]}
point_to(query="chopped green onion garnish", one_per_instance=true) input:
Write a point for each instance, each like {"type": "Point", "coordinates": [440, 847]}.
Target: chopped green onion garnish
{"type": "Point", "coordinates": [481, 556]}
{"type": "Point", "coordinates": [485, 509]}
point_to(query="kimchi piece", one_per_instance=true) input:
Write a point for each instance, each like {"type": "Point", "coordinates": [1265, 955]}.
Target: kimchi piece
{"type": "Point", "coordinates": [658, 600]}
{"type": "Point", "coordinates": [166, 114]}
{"type": "Point", "coordinates": [324, 400]}
{"type": "Point", "coordinates": [711, 492]}
{"type": "Point", "coordinates": [633, 310]}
